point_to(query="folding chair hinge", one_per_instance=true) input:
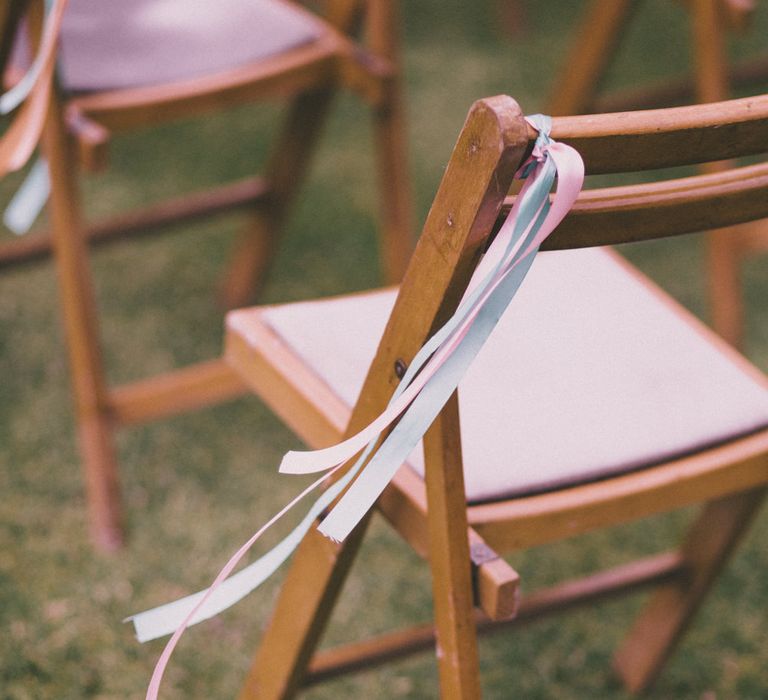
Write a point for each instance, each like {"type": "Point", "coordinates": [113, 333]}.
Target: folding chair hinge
{"type": "Point", "coordinates": [366, 74]}
{"type": "Point", "coordinates": [92, 139]}
{"type": "Point", "coordinates": [494, 582]}
{"type": "Point", "coordinates": [480, 553]}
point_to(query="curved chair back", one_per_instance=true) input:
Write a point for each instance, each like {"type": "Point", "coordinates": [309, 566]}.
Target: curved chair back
{"type": "Point", "coordinates": [461, 537]}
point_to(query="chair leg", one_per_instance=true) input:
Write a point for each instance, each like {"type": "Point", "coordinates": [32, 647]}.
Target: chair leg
{"type": "Point", "coordinates": [511, 17]}
{"type": "Point", "coordinates": [724, 285]}
{"type": "Point", "coordinates": [251, 259]}
{"type": "Point", "coordinates": [597, 40]}
{"type": "Point", "coordinates": [304, 606]}
{"type": "Point", "coordinates": [709, 543]}
{"type": "Point", "coordinates": [449, 557]}
{"type": "Point", "coordinates": [395, 235]}
{"type": "Point", "coordinates": [723, 259]}
{"type": "Point", "coordinates": [97, 447]}
{"type": "Point", "coordinates": [390, 137]}
{"type": "Point", "coordinates": [285, 173]}
{"type": "Point", "coordinates": [95, 424]}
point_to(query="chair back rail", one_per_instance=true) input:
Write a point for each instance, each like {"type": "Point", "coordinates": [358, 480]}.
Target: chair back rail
{"type": "Point", "coordinates": [657, 139]}
{"type": "Point", "coordinates": [10, 15]}
{"type": "Point", "coordinates": [492, 145]}
{"type": "Point", "coordinates": [662, 138]}
{"type": "Point", "coordinates": [643, 212]}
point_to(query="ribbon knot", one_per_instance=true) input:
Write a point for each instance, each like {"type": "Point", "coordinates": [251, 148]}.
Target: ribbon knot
{"type": "Point", "coordinates": [543, 123]}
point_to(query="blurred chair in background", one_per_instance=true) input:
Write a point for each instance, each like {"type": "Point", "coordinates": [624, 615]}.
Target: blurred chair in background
{"type": "Point", "coordinates": [597, 400]}
{"type": "Point", "coordinates": [577, 92]}
{"type": "Point", "coordinates": [127, 65]}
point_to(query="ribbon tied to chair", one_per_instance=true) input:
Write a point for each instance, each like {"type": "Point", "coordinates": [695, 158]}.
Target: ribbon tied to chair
{"type": "Point", "coordinates": [31, 97]}
{"type": "Point", "coordinates": [429, 381]}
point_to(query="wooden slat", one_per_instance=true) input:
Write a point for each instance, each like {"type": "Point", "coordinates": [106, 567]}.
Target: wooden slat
{"type": "Point", "coordinates": [456, 228]}
{"type": "Point", "coordinates": [650, 139]}
{"type": "Point", "coordinates": [643, 212]}
{"type": "Point", "coordinates": [345, 15]}
{"type": "Point", "coordinates": [92, 140]}
{"type": "Point", "coordinates": [372, 652]}
{"type": "Point", "coordinates": [239, 195]}
{"type": "Point", "coordinates": [186, 389]}
{"type": "Point", "coordinates": [708, 546]}
{"type": "Point", "coordinates": [452, 596]}
{"type": "Point", "coordinates": [636, 574]}
{"type": "Point", "coordinates": [255, 249]}
{"type": "Point", "coordinates": [525, 522]}
{"type": "Point", "coordinates": [76, 292]}
{"type": "Point", "coordinates": [496, 584]}
{"type": "Point", "coordinates": [366, 74]}
{"type": "Point", "coordinates": [389, 131]}
{"type": "Point", "coordinates": [529, 521]}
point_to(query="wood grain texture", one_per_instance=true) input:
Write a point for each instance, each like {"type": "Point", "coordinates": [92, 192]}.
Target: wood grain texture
{"type": "Point", "coordinates": [431, 515]}
{"type": "Point", "coordinates": [308, 76]}
{"type": "Point", "coordinates": [661, 138]}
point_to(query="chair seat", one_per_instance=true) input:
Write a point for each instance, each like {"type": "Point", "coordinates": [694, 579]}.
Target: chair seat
{"type": "Point", "coordinates": [112, 44]}
{"type": "Point", "coordinates": [591, 372]}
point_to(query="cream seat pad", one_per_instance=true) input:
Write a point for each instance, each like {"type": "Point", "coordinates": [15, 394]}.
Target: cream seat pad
{"type": "Point", "coordinates": [112, 44]}
{"type": "Point", "coordinates": [591, 372]}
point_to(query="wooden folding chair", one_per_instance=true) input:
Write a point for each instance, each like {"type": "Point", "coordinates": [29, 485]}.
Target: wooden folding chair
{"type": "Point", "coordinates": [577, 91]}
{"type": "Point", "coordinates": [597, 400]}
{"type": "Point", "coordinates": [124, 66]}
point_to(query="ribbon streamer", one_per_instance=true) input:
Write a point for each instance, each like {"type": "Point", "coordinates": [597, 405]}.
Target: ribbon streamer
{"type": "Point", "coordinates": [28, 201]}
{"type": "Point", "coordinates": [431, 378]}
{"type": "Point", "coordinates": [32, 95]}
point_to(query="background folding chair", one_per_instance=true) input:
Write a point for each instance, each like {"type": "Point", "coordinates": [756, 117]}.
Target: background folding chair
{"type": "Point", "coordinates": [129, 65]}
{"type": "Point", "coordinates": [597, 401]}
{"type": "Point", "coordinates": [577, 91]}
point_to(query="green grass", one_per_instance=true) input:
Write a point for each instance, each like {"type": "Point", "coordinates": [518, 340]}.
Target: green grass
{"type": "Point", "coordinates": [196, 486]}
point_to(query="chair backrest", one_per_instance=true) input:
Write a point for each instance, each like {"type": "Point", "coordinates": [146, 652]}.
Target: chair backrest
{"type": "Point", "coordinates": [664, 138]}
{"type": "Point", "coordinates": [20, 138]}
{"type": "Point", "coordinates": [379, 18]}
{"type": "Point", "coordinates": [474, 193]}
{"type": "Point", "coordinates": [11, 12]}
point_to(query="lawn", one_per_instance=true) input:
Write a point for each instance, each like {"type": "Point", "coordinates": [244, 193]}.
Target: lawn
{"type": "Point", "coordinates": [197, 486]}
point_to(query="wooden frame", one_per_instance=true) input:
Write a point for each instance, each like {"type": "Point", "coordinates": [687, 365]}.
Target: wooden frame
{"type": "Point", "coordinates": [77, 131]}
{"type": "Point", "coordinates": [577, 92]}
{"type": "Point", "coordinates": [462, 542]}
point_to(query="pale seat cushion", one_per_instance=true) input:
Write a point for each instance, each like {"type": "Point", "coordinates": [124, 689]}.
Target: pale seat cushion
{"type": "Point", "coordinates": [111, 44]}
{"type": "Point", "coordinates": [589, 373]}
